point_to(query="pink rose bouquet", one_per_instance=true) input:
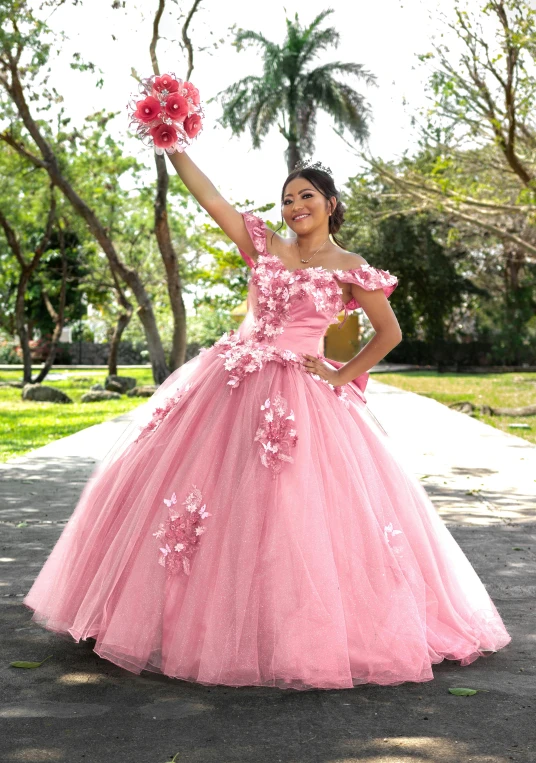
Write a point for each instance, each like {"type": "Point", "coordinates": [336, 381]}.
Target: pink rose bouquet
{"type": "Point", "coordinates": [169, 114]}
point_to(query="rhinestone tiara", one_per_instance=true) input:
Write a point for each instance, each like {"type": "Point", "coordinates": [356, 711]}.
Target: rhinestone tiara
{"type": "Point", "coordinates": [307, 164]}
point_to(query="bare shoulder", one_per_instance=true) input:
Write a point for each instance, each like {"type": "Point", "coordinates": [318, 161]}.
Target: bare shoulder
{"type": "Point", "coordinates": [349, 261]}
{"type": "Point", "coordinates": [276, 244]}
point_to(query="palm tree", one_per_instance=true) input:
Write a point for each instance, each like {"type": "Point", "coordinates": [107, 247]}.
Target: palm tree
{"type": "Point", "coordinates": [290, 92]}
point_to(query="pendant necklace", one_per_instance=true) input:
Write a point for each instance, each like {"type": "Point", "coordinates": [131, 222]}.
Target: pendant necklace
{"type": "Point", "coordinates": [311, 257]}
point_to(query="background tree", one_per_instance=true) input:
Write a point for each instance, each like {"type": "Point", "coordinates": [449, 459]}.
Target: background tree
{"type": "Point", "coordinates": [290, 92]}
{"type": "Point", "coordinates": [27, 248]}
{"type": "Point", "coordinates": [432, 271]}
{"type": "Point", "coordinates": [477, 161]}
{"type": "Point", "coordinates": [25, 44]}
{"type": "Point", "coordinates": [161, 222]}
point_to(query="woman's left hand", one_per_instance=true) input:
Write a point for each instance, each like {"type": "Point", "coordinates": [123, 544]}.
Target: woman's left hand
{"type": "Point", "coordinates": [316, 366]}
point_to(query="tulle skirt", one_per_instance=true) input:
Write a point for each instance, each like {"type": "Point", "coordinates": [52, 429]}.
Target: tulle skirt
{"type": "Point", "coordinates": [262, 534]}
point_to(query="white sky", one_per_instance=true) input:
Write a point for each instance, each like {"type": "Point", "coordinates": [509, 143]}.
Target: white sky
{"type": "Point", "coordinates": [384, 36]}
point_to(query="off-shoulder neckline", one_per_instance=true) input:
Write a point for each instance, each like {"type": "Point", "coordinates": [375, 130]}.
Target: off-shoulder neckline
{"type": "Point", "coordinates": [316, 267]}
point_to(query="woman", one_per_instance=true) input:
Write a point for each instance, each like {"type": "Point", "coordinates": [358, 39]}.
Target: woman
{"type": "Point", "coordinates": [253, 526]}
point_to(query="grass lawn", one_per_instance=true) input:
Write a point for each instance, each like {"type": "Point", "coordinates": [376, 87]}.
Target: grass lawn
{"type": "Point", "coordinates": [496, 390]}
{"type": "Point", "coordinates": [25, 426]}
{"type": "Point", "coordinates": [28, 425]}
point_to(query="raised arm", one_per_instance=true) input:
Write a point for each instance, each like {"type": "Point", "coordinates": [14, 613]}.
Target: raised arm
{"type": "Point", "coordinates": [224, 214]}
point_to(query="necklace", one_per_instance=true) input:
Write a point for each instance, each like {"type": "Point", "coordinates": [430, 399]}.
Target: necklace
{"type": "Point", "coordinates": [311, 257]}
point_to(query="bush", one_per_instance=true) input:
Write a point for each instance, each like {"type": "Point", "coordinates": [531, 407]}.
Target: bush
{"type": "Point", "coordinates": [474, 353]}
{"type": "Point", "coordinates": [8, 353]}
{"type": "Point", "coordinates": [40, 348]}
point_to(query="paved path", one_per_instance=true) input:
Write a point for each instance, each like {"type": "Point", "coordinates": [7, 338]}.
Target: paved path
{"type": "Point", "coordinates": [78, 707]}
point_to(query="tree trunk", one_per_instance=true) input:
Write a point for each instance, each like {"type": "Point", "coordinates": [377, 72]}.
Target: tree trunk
{"type": "Point", "coordinates": [26, 270]}
{"type": "Point", "coordinates": [171, 263]}
{"type": "Point", "coordinates": [129, 276]}
{"type": "Point", "coordinates": [20, 323]}
{"type": "Point", "coordinates": [293, 155]}
{"type": "Point", "coordinates": [162, 231]}
{"type": "Point", "coordinates": [58, 317]}
{"type": "Point", "coordinates": [120, 326]}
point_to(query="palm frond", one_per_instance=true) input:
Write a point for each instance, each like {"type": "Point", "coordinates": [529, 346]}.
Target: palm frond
{"type": "Point", "coordinates": [263, 116]}
{"type": "Point", "coordinates": [248, 35]}
{"type": "Point", "coordinates": [339, 67]}
{"type": "Point", "coordinates": [250, 103]}
{"type": "Point", "coordinates": [238, 102]}
{"type": "Point", "coordinates": [346, 106]}
{"type": "Point", "coordinates": [319, 40]}
{"type": "Point", "coordinates": [272, 53]}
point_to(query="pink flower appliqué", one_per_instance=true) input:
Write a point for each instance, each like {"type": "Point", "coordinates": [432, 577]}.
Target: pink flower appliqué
{"type": "Point", "coordinates": [388, 531]}
{"type": "Point", "coordinates": [369, 278]}
{"type": "Point", "coordinates": [181, 531]}
{"type": "Point", "coordinates": [160, 413]}
{"type": "Point", "coordinates": [276, 434]}
{"type": "Point", "coordinates": [277, 288]}
{"type": "Point", "coordinates": [245, 356]}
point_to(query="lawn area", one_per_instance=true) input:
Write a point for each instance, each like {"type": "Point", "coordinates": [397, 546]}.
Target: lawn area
{"type": "Point", "coordinates": [28, 425]}
{"type": "Point", "coordinates": [512, 390]}
{"type": "Point", "coordinates": [25, 426]}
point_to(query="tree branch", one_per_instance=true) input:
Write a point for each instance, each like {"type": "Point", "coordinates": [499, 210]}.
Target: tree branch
{"type": "Point", "coordinates": [7, 138]}
{"type": "Point", "coordinates": [13, 241]}
{"type": "Point", "coordinates": [186, 40]}
{"type": "Point", "coordinates": [154, 39]}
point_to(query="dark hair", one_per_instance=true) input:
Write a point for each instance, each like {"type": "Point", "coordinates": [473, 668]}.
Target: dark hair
{"type": "Point", "coordinates": [323, 182]}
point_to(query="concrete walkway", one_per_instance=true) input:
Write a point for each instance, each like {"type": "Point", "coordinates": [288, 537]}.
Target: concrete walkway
{"type": "Point", "coordinates": [78, 707]}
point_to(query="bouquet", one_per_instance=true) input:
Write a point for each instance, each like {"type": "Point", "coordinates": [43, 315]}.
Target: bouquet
{"type": "Point", "coordinates": [169, 116]}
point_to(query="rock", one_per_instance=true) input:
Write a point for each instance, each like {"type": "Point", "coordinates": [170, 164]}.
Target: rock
{"type": "Point", "coordinates": [113, 386]}
{"type": "Point", "coordinates": [96, 396]}
{"type": "Point", "coordinates": [463, 406]}
{"type": "Point", "coordinates": [97, 388]}
{"type": "Point", "coordinates": [126, 382]}
{"type": "Point", "coordinates": [17, 385]}
{"type": "Point", "coordinates": [41, 394]}
{"type": "Point", "coordinates": [147, 391]}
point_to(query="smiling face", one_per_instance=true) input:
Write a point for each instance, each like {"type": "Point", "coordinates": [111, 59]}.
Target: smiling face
{"type": "Point", "coordinates": [304, 208]}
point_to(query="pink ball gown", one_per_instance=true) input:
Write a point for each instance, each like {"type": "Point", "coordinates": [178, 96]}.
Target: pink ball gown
{"type": "Point", "coordinates": [254, 528]}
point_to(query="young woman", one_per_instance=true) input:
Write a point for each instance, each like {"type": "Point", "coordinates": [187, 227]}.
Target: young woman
{"type": "Point", "coordinates": [254, 527]}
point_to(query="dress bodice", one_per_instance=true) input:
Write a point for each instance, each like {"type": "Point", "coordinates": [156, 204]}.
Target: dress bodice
{"type": "Point", "coordinates": [293, 309]}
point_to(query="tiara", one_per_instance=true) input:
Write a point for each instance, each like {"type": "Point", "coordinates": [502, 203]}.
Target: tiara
{"type": "Point", "coordinates": [307, 164]}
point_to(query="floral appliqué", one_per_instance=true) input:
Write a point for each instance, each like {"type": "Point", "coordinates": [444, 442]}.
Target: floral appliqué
{"type": "Point", "coordinates": [245, 356]}
{"type": "Point", "coordinates": [160, 413]}
{"type": "Point", "coordinates": [181, 531]}
{"type": "Point", "coordinates": [369, 278]}
{"type": "Point", "coordinates": [388, 531]}
{"type": "Point", "coordinates": [276, 434]}
{"type": "Point", "coordinates": [257, 230]}
{"type": "Point", "coordinates": [277, 288]}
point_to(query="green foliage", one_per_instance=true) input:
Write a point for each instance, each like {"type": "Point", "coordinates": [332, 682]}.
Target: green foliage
{"type": "Point", "coordinates": [209, 323]}
{"type": "Point", "coordinates": [432, 285]}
